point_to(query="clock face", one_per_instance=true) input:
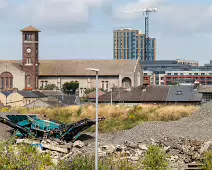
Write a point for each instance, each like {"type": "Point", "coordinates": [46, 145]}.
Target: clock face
{"type": "Point", "coordinates": [28, 50]}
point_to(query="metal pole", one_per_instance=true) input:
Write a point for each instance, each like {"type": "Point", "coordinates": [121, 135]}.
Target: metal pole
{"type": "Point", "coordinates": [96, 153]}
{"type": "Point", "coordinates": [111, 99]}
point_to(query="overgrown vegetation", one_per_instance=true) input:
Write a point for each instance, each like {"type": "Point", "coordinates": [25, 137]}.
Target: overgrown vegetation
{"type": "Point", "coordinates": [22, 157]}
{"type": "Point", "coordinates": [155, 159]}
{"type": "Point", "coordinates": [207, 161]}
{"type": "Point", "coordinates": [117, 117]}
{"type": "Point", "coordinates": [87, 163]}
{"type": "Point", "coordinates": [49, 87]}
{"type": "Point", "coordinates": [28, 158]}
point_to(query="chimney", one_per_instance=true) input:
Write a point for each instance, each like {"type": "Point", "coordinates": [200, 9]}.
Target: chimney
{"type": "Point", "coordinates": [145, 84]}
{"type": "Point", "coordinates": [15, 90]}
{"type": "Point", "coordinates": [196, 85]}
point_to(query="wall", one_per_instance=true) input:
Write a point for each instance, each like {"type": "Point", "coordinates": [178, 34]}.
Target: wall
{"type": "Point", "coordinates": [84, 82]}
{"type": "Point", "coordinates": [38, 103]}
{"type": "Point", "coordinates": [18, 75]}
{"type": "Point", "coordinates": [15, 99]}
{"type": "Point", "coordinates": [3, 98]}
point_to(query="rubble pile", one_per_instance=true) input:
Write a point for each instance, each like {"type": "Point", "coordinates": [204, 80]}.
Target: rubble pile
{"type": "Point", "coordinates": [179, 151]}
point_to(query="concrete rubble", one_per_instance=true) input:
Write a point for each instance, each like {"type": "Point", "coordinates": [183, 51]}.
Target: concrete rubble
{"type": "Point", "coordinates": [180, 151]}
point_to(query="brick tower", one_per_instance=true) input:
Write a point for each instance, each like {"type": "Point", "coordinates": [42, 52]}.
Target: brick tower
{"type": "Point", "coordinates": [30, 53]}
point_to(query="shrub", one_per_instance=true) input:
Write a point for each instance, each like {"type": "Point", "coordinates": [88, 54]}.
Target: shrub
{"type": "Point", "coordinates": [87, 163]}
{"type": "Point", "coordinates": [155, 159]}
{"type": "Point", "coordinates": [70, 87]}
{"type": "Point", "coordinates": [207, 161]}
{"type": "Point", "coordinates": [22, 157]}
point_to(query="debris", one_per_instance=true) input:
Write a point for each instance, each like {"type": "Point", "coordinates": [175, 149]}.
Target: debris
{"type": "Point", "coordinates": [143, 147]}
{"type": "Point", "coordinates": [78, 144]}
{"type": "Point", "coordinates": [55, 148]}
{"type": "Point", "coordinates": [206, 147]}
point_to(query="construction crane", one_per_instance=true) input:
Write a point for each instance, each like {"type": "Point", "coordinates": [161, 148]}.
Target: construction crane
{"type": "Point", "coordinates": [145, 12]}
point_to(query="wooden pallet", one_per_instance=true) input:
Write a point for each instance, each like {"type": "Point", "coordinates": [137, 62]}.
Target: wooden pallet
{"type": "Point", "coordinates": [194, 166]}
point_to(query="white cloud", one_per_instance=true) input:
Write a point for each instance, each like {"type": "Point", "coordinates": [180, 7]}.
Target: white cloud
{"type": "Point", "coordinates": [60, 12]}
{"type": "Point", "coordinates": [171, 18]}
{"type": "Point", "coordinates": [3, 3]}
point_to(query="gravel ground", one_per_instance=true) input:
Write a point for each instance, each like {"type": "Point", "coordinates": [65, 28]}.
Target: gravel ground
{"type": "Point", "coordinates": [197, 126]}
{"type": "Point", "coordinates": [4, 129]}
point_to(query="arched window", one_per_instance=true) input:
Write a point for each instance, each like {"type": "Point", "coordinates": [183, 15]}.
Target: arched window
{"type": "Point", "coordinates": [6, 80]}
{"type": "Point", "coordinates": [126, 82]}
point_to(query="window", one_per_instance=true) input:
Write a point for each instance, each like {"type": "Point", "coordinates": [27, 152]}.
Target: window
{"type": "Point", "coordinates": [2, 83]}
{"type": "Point", "coordinates": [31, 37]}
{"type": "Point", "coordinates": [27, 37]}
{"type": "Point", "coordinates": [41, 84]}
{"type": "Point", "coordinates": [106, 84]}
{"type": "Point", "coordinates": [179, 93]}
{"type": "Point", "coordinates": [36, 37]}
{"type": "Point", "coordinates": [202, 73]}
{"type": "Point", "coordinates": [6, 80]}
{"type": "Point", "coordinates": [175, 73]}
{"type": "Point", "coordinates": [28, 81]}
{"type": "Point", "coordinates": [169, 74]}
{"type": "Point", "coordinates": [46, 83]}
{"type": "Point", "coordinates": [102, 86]}
{"type": "Point", "coordinates": [29, 60]}
{"type": "Point", "coordinates": [36, 50]}
{"type": "Point", "coordinates": [11, 82]}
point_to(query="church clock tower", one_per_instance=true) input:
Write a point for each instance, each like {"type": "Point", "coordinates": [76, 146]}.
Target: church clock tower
{"type": "Point", "coordinates": [30, 56]}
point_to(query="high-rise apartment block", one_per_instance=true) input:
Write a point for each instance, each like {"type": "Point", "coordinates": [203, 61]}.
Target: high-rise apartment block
{"type": "Point", "coordinates": [130, 44]}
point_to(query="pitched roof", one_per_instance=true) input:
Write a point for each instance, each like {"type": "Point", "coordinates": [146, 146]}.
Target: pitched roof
{"type": "Point", "coordinates": [16, 63]}
{"type": "Point", "coordinates": [183, 94]}
{"type": "Point", "coordinates": [39, 94]}
{"type": "Point", "coordinates": [30, 29]}
{"type": "Point", "coordinates": [38, 103]}
{"type": "Point", "coordinates": [7, 93]}
{"type": "Point", "coordinates": [146, 94]}
{"type": "Point", "coordinates": [115, 95]}
{"type": "Point", "coordinates": [154, 93]}
{"type": "Point", "coordinates": [51, 92]}
{"type": "Point", "coordinates": [92, 95]}
{"type": "Point", "coordinates": [204, 89]}
{"type": "Point", "coordinates": [78, 67]}
{"type": "Point", "coordinates": [31, 94]}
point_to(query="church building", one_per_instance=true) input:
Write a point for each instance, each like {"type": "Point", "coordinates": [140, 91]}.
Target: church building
{"type": "Point", "coordinates": [31, 73]}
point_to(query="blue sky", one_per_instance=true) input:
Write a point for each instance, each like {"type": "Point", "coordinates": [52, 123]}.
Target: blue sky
{"type": "Point", "coordinates": [82, 29]}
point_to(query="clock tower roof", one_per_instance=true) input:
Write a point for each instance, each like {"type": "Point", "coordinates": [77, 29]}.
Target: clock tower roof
{"type": "Point", "coordinates": [30, 29]}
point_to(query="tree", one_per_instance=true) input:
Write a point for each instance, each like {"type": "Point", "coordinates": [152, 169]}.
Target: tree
{"type": "Point", "coordinates": [50, 87]}
{"type": "Point", "coordinates": [70, 87]}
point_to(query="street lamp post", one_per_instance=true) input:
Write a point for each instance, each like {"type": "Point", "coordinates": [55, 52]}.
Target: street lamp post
{"type": "Point", "coordinates": [96, 147]}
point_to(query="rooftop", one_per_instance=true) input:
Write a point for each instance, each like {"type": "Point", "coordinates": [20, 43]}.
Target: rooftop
{"type": "Point", "coordinates": [30, 29]}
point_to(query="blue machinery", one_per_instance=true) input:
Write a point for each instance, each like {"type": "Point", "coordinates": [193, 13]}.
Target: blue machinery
{"type": "Point", "coordinates": [32, 126]}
